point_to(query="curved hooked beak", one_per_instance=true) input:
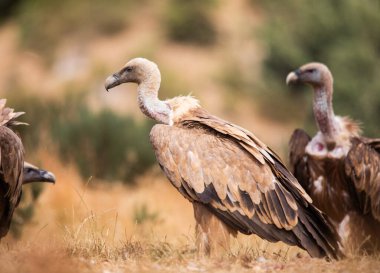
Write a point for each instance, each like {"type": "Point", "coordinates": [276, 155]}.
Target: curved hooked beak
{"type": "Point", "coordinates": [38, 176]}
{"type": "Point", "coordinates": [32, 173]}
{"type": "Point", "coordinates": [293, 76]}
{"type": "Point", "coordinates": [47, 176]}
{"type": "Point", "coordinates": [112, 81]}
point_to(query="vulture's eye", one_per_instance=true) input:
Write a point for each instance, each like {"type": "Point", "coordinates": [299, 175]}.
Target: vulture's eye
{"type": "Point", "coordinates": [310, 70]}
{"type": "Point", "coordinates": [129, 69]}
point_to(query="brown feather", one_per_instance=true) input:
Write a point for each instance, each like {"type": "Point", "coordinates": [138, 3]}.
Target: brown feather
{"type": "Point", "coordinates": [344, 186]}
{"type": "Point", "coordinates": [12, 167]}
{"type": "Point", "coordinates": [363, 168]}
{"type": "Point", "coordinates": [11, 170]}
{"type": "Point", "coordinates": [236, 168]}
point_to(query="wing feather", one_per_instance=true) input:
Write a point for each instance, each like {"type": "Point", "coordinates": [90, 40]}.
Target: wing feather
{"type": "Point", "coordinates": [288, 205]}
{"type": "Point", "coordinates": [11, 170]}
{"type": "Point", "coordinates": [362, 165]}
{"type": "Point", "coordinates": [298, 159]}
{"type": "Point", "coordinates": [227, 171]}
{"type": "Point", "coordinates": [237, 178]}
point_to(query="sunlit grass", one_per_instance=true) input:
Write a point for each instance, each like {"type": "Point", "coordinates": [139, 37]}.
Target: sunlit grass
{"type": "Point", "coordinates": [80, 227]}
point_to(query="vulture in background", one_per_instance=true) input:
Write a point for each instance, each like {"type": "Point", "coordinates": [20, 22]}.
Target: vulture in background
{"type": "Point", "coordinates": [32, 173]}
{"type": "Point", "coordinates": [338, 167]}
{"type": "Point", "coordinates": [13, 173]}
{"type": "Point", "coordinates": [234, 181]}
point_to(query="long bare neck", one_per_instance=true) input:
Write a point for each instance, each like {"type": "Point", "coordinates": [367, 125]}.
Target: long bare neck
{"type": "Point", "coordinates": [149, 102]}
{"type": "Point", "coordinates": [324, 113]}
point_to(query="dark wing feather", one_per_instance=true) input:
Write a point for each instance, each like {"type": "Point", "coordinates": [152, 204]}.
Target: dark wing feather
{"type": "Point", "coordinates": [226, 168]}
{"type": "Point", "coordinates": [362, 165]}
{"type": "Point", "coordinates": [298, 159]}
{"type": "Point", "coordinates": [11, 167]}
{"type": "Point", "coordinates": [374, 143]}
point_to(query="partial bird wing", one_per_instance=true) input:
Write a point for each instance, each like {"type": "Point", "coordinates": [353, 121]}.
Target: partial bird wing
{"type": "Point", "coordinates": [8, 116]}
{"type": "Point", "coordinates": [245, 184]}
{"type": "Point", "coordinates": [372, 142]}
{"type": "Point", "coordinates": [11, 167]}
{"type": "Point", "coordinates": [298, 159]}
{"type": "Point", "coordinates": [362, 165]}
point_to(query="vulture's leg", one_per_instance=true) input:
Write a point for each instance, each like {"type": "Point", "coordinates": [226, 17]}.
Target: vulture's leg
{"type": "Point", "coordinates": [212, 235]}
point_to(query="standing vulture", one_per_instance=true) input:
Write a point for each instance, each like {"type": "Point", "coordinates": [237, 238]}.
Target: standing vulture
{"type": "Point", "coordinates": [12, 167]}
{"type": "Point", "coordinates": [339, 169]}
{"type": "Point", "coordinates": [234, 181]}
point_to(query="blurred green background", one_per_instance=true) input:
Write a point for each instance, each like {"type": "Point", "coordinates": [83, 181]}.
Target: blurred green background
{"type": "Point", "coordinates": [232, 55]}
{"type": "Point", "coordinates": [63, 50]}
{"type": "Point", "coordinates": [345, 35]}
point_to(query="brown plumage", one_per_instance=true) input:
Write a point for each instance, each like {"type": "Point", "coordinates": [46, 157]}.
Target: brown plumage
{"type": "Point", "coordinates": [235, 182]}
{"type": "Point", "coordinates": [339, 169]}
{"type": "Point", "coordinates": [11, 166]}
{"type": "Point", "coordinates": [13, 173]}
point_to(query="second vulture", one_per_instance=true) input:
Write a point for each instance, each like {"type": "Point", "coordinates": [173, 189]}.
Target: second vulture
{"type": "Point", "coordinates": [13, 171]}
{"type": "Point", "coordinates": [338, 167]}
{"type": "Point", "coordinates": [234, 181]}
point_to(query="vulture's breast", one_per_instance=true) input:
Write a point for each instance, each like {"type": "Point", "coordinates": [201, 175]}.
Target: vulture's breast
{"type": "Point", "coordinates": [328, 186]}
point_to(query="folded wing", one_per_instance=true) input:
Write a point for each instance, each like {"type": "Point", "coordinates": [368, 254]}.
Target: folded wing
{"type": "Point", "coordinates": [243, 182]}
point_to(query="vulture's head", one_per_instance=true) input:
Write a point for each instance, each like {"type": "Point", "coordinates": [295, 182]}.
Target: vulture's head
{"type": "Point", "coordinates": [137, 70]}
{"type": "Point", "coordinates": [34, 174]}
{"type": "Point", "coordinates": [315, 74]}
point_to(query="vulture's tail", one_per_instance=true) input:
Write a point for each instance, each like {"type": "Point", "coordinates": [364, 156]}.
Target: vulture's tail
{"type": "Point", "coordinates": [316, 234]}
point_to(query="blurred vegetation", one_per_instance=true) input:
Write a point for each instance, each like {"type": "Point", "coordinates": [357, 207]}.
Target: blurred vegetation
{"type": "Point", "coordinates": [343, 34]}
{"type": "Point", "coordinates": [25, 210]}
{"type": "Point", "coordinates": [142, 215]}
{"type": "Point", "coordinates": [103, 144]}
{"type": "Point", "coordinates": [7, 8]}
{"type": "Point", "coordinates": [189, 21]}
{"type": "Point", "coordinates": [44, 24]}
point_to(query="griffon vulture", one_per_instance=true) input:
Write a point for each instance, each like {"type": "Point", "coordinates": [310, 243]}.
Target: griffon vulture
{"type": "Point", "coordinates": [234, 181]}
{"type": "Point", "coordinates": [338, 167]}
{"type": "Point", "coordinates": [12, 167]}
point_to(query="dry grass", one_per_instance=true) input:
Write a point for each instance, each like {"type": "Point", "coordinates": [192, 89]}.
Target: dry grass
{"type": "Point", "coordinates": [80, 227]}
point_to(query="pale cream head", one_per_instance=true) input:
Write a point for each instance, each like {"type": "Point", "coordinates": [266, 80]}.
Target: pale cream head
{"type": "Point", "coordinates": [137, 70]}
{"type": "Point", "coordinates": [315, 74]}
